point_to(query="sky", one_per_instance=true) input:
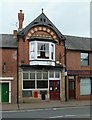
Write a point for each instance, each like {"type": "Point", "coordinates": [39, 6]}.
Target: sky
{"type": "Point", "coordinates": [70, 17]}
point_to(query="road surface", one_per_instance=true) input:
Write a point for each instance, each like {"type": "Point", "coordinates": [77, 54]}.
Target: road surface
{"type": "Point", "coordinates": [67, 112]}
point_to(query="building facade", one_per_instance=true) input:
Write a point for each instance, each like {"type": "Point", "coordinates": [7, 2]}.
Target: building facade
{"type": "Point", "coordinates": [79, 67]}
{"type": "Point", "coordinates": [35, 60]}
{"type": "Point", "coordinates": [40, 48]}
{"type": "Point", "coordinates": [8, 68]}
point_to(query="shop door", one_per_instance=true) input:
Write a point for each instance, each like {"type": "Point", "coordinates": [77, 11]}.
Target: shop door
{"type": "Point", "coordinates": [54, 89]}
{"type": "Point", "coordinates": [72, 90]}
{"type": "Point", "coordinates": [4, 92]}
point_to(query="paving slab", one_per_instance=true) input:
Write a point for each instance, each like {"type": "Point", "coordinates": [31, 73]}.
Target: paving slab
{"type": "Point", "coordinates": [44, 104]}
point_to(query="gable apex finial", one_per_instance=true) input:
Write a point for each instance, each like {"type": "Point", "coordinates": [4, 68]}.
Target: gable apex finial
{"type": "Point", "coordinates": [42, 10]}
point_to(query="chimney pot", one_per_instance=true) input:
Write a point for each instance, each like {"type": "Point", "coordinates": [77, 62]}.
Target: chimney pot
{"type": "Point", "coordinates": [20, 11]}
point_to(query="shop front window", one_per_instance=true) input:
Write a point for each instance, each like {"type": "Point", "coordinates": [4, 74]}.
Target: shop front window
{"type": "Point", "coordinates": [42, 84]}
{"type": "Point", "coordinates": [35, 80]}
{"type": "Point", "coordinates": [85, 86]}
{"type": "Point", "coordinates": [28, 84]}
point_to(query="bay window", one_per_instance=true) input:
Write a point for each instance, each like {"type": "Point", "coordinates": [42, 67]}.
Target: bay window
{"type": "Point", "coordinates": [40, 50]}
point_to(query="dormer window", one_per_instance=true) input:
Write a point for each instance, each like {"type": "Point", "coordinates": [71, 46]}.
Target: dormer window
{"type": "Point", "coordinates": [41, 51]}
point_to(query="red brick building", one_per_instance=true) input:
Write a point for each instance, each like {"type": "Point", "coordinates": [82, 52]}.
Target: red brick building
{"type": "Point", "coordinates": [8, 79]}
{"type": "Point", "coordinates": [79, 67]}
{"type": "Point", "coordinates": [35, 60]}
{"type": "Point", "coordinates": [40, 48]}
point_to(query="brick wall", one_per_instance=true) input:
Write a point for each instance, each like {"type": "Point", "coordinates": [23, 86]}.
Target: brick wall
{"type": "Point", "coordinates": [23, 52]}
{"type": "Point", "coordinates": [9, 57]}
{"type": "Point", "coordinates": [59, 50]}
{"type": "Point", "coordinates": [73, 61]}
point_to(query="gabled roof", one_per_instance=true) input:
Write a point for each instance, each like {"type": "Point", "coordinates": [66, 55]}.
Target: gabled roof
{"type": "Point", "coordinates": [42, 20]}
{"type": "Point", "coordinates": [8, 41]}
{"type": "Point", "coordinates": [78, 43]}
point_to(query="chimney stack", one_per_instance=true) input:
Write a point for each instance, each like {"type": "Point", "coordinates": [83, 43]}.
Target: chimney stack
{"type": "Point", "coordinates": [14, 33]}
{"type": "Point", "coordinates": [21, 19]}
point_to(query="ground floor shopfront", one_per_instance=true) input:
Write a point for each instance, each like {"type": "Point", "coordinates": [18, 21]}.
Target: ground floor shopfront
{"type": "Point", "coordinates": [45, 83]}
{"type": "Point", "coordinates": [79, 86]}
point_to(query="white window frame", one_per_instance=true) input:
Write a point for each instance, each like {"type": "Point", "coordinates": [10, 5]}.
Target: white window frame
{"type": "Point", "coordinates": [54, 78]}
{"type": "Point", "coordinates": [35, 53]}
{"type": "Point", "coordinates": [34, 80]}
{"type": "Point", "coordinates": [83, 54]}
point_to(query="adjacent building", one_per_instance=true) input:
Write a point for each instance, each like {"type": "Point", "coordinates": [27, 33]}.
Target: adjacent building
{"type": "Point", "coordinates": [40, 63]}
{"type": "Point", "coordinates": [8, 68]}
{"type": "Point", "coordinates": [79, 67]}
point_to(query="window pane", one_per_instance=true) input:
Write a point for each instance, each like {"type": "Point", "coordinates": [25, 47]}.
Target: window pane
{"type": "Point", "coordinates": [32, 50]}
{"type": "Point", "coordinates": [45, 75]}
{"type": "Point", "coordinates": [71, 85]}
{"type": "Point", "coordinates": [32, 55]}
{"type": "Point", "coordinates": [52, 51]}
{"type": "Point", "coordinates": [32, 75]}
{"type": "Point", "coordinates": [85, 86]}
{"type": "Point", "coordinates": [28, 84]}
{"type": "Point", "coordinates": [42, 84]}
{"type": "Point", "coordinates": [84, 58]}
{"type": "Point", "coordinates": [57, 74]}
{"type": "Point", "coordinates": [57, 86]}
{"type": "Point", "coordinates": [43, 50]}
{"type": "Point", "coordinates": [39, 75]}
{"type": "Point", "coordinates": [51, 86]}
{"type": "Point", "coordinates": [25, 75]}
{"type": "Point", "coordinates": [84, 62]}
{"type": "Point", "coordinates": [84, 55]}
{"type": "Point", "coordinates": [51, 74]}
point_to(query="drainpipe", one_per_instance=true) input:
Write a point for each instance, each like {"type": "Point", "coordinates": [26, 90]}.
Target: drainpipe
{"type": "Point", "coordinates": [17, 78]}
{"type": "Point", "coordinates": [65, 71]}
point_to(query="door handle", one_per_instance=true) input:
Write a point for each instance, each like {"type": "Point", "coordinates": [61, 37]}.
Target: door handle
{"type": "Point", "coordinates": [6, 92]}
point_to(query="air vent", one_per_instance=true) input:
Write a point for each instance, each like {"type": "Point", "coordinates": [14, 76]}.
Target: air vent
{"type": "Point", "coordinates": [44, 20]}
{"type": "Point", "coordinates": [35, 22]}
{"type": "Point", "coordinates": [50, 25]}
{"type": "Point", "coordinates": [61, 36]}
{"type": "Point", "coordinates": [41, 19]}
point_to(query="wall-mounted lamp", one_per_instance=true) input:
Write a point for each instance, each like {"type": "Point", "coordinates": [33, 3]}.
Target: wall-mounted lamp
{"type": "Point", "coordinates": [65, 73]}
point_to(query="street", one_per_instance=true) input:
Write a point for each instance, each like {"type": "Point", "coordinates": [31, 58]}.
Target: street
{"type": "Point", "coordinates": [65, 112]}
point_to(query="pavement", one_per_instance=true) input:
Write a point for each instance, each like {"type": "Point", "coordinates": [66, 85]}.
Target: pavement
{"type": "Point", "coordinates": [43, 104]}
